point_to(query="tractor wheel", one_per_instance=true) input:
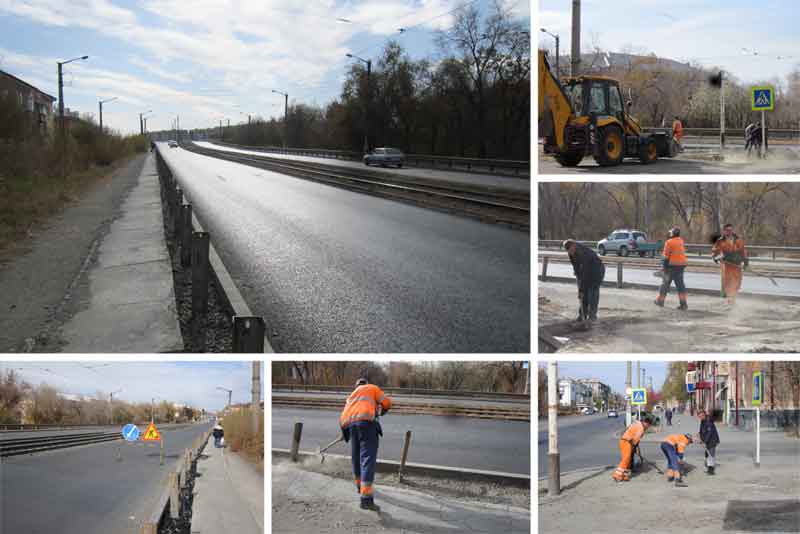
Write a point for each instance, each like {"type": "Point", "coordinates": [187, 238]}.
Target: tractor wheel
{"type": "Point", "coordinates": [648, 151]}
{"type": "Point", "coordinates": [570, 158]}
{"type": "Point", "coordinates": [610, 147]}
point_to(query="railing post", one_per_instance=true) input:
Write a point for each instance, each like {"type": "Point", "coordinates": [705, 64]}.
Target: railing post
{"type": "Point", "coordinates": [186, 235]}
{"type": "Point", "coordinates": [174, 500]}
{"type": "Point", "coordinates": [298, 433]}
{"type": "Point", "coordinates": [200, 280]}
{"type": "Point", "coordinates": [619, 274]}
{"type": "Point", "coordinates": [404, 455]}
{"type": "Point", "coordinates": [248, 334]}
{"type": "Point", "coordinates": [545, 262]}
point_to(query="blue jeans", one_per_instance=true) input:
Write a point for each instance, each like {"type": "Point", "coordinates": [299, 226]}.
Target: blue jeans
{"type": "Point", "coordinates": [364, 453]}
{"type": "Point", "coordinates": [672, 456]}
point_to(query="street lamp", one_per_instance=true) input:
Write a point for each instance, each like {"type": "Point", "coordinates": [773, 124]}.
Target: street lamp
{"type": "Point", "coordinates": [230, 392]}
{"type": "Point", "coordinates": [111, 406]}
{"type": "Point", "coordinates": [285, 116]}
{"type": "Point", "coordinates": [141, 121]}
{"type": "Point", "coordinates": [555, 36]}
{"type": "Point", "coordinates": [366, 106]}
{"type": "Point", "coordinates": [62, 125]}
{"type": "Point", "coordinates": [101, 110]}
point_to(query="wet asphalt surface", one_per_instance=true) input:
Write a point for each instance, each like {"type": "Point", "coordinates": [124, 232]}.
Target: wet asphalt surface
{"type": "Point", "coordinates": [336, 271]}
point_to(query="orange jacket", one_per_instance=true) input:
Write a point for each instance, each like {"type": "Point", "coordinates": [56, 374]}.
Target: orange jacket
{"type": "Point", "coordinates": [677, 130]}
{"type": "Point", "coordinates": [675, 251]}
{"type": "Point", "coordinates": [678, 441]}
{"type": "Point", "coordinates": [362, 405]}
{"type": "Point", "coordinates": [732, 250]}
{"type": "Point", "coordinates": [634, 433]}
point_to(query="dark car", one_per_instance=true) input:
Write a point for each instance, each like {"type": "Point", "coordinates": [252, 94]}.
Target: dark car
{"type": "Point", "coordinates": [385, 156]}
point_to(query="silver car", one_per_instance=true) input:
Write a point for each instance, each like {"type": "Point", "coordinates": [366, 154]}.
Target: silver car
{"type": "Point", "coordinates": [385, 156]}
{"type": "Point", "coordinates": [621, 241]}
{"type": "Point", "coordinates": [172, 143]}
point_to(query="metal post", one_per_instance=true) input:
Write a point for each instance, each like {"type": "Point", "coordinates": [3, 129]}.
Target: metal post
{"type": "Point", "coordinates": [61, 124]}
{"type": "Point", "coordinates": [545, 262]}
{"type": "Point", "coordinates": [404, 455]}
{"type": "Point", "coordinates": [576, 38]}
{"type": "Point", "coordinates": [736, 396]}
{"type": "Point", "coordinates": [722, 110]}
{"type": "Point", "coordinates": [256, 396]}
{"type": "Point", "coordinates": [161, 455]}
{"type": "Point", "coordinates": [248, 334]}
{"type": "Point", "coordinates": [558, 72]}
{"type": "Point", "coordinates": [285, 120]}
{"type": "Point", "coordinates": [101, 115]}
{"type": "Point", "coordinates": [763, 148]}
{"type": "Point", "coordinates": [758, 436]}
{"type": "Point", "coordinates": [627, 394]}
{"type": "Point", "coordinates": [298, 433]}
{"type": "Point", "coordinates": [141, 124]}
{"type": "Point", "coordinates": [554, 480]}
{"type": "Point", "coordinates": [186, 235]}
{"type": "Point", "coordinates": [638, 374]}
{"type": "Point", "coordinates": [619, 274]}
{"type": "Point", "coordinates": [200, 280]}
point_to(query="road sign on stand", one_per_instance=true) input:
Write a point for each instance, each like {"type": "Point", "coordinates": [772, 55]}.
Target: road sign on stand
{"type": "Point", "coordinates": [639, 396]}
{"type": "Point", "coordinates": [762, 98]}
{"type": "Point", "coordinates": [758, 388]}
{"type": "Point", "coordinates": [130, 432]}
{"type": "Point", "coordinates": [151, 434]}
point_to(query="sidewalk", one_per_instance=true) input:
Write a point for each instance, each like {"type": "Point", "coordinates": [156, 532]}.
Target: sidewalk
{"type": "Point", "coordinates": [127, 298]}
{"type": "Point", "coordinates": [228, 494]}
{"type": "Point", "coordinates": [307, 501]}
{"type": "Point", "coordinates": [739, 498]}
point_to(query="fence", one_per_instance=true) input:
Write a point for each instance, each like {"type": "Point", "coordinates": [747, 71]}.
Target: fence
{"type": "Point", "coordinates": [406, 391]}
{"type": "Point", "coordinates": [733, 136]}
{"type": "Point", "coordinates": [773, 419]}
{"type": "Point", "coordinates": [518, 168]}
{"type": "Point", "coordinates": [197, 254]}
{"type": "Point", "coordinates": [699, 249]}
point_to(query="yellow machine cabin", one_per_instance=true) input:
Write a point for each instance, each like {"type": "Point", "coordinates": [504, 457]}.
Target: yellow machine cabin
{"type": "Point", "coordinates": [586, 116]}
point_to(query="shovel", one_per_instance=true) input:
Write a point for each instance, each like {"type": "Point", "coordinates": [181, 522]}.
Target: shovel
{"type": "Point", "coordinates": [321, 451]}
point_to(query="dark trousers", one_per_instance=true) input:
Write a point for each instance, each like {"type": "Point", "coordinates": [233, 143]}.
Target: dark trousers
{"type": "Point", "coordinates": [590, 301]}
{"type": "Point", "coordinates": [669, 420]}
{"type": "Point", "coordinates": [673, 273]}
{"type": "Point", "coordinates": [364, 453]}
{"type": "Point", "coordinates": [672, 456]}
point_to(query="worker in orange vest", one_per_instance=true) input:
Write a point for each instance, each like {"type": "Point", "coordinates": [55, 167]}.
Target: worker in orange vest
{"type": "Point", "coordinates": [629, 440]}
{"type": "Point", "coordinates": [730, 251]}
{"type": "Point", "coordinates": [677, 132]}
{"type": "Point", "coordinates": [359, 423]}
{"type": "Point", "coordinates": [674, 264]}
{"type": "Point", "coordinates": [673, 448]}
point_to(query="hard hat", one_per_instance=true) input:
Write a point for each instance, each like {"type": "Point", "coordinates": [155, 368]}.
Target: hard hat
{"type": "Point", "coordinates": [361, 382]}
{"type": "Point", "coordinates": [675, 231]}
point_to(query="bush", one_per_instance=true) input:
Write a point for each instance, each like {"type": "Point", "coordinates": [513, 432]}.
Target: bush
{"type": "Point", "coordinates": [239, 435]}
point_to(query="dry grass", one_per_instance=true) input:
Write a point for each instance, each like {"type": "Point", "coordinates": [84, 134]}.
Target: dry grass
{"type": "Point", "coordinates": [239, 436]}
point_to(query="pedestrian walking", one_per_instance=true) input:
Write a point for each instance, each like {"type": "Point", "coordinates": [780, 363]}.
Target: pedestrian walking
{"type": "Point", "coordinates": [730, 253]}
{"type": "Point", "coordinates": [673, 448]}
{"type": "Point", "coordinates": [360, 426]}
{"type": "Point", "coordinates": [673, 266]}
{"type": "Point", "coordinates": [219, 435]}
{"type": "Point", "coordinates": [710, 439]}
{"type": "Point", "coordinates": [627, 443]}
{"type": "Point", "coordinates": [668, 416]}
{"type": "Point", "coordinates": [589, 272]}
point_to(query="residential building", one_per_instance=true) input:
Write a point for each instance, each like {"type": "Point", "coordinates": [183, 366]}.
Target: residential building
{"type": "Point", "coordinates": [573, 394]}
{"type": "Point", "coordinates": [32, 99]}
{"type": "Point", "coordinates": [600, 391]}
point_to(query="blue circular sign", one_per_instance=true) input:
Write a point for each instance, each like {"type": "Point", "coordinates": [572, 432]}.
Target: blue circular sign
{"type": "Point", "coordinates": [130, 432]}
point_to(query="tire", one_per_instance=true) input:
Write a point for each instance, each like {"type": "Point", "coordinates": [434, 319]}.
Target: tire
{"type": "Point", "coordinates": [623, 251]}
{"type": "Point", "coordinates": [399, 165]}
{"type": "Point", "coordinates": [610, 148]}
{"type": "Point", "coordinates": [648, 151]}
{"type": "Point", "coordinates": [366, 162]}
{"type": "Point", "coordinates": [602, 250]}
{"type": "Point", "coordinates": [569, 159]}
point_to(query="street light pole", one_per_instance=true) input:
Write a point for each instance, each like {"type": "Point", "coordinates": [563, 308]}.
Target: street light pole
{"type": "Point", "coordinates": [256, 396]}
{"type": "Point", "coordinates": [366, 104]}
{"type": "Point", "coordinates": [101, 102]}
{"type": "Point", "coordinates": [62, 125]}
{"type": "Point", "coordinates": [721, 110]}
{"type": "Point", "coordinates": [576, 38]}
{"type": "Point", "coordinates": [111, 406]}
{"type": "Point", "coordinates": [628, 396]}
{"type": "Point", "coordinates": [554, 478]}
{"type": "Point", "coordinates": [285, 116]}
{"type": "Point", "coordinates": [141, 121]}
{"type": "Point", "coordinates": [555, 36]}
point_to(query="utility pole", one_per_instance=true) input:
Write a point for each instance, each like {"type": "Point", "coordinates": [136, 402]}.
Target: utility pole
{"type": "Point", "coordinates": [721, 110]}
{"type": "Point", "coordinates": [576, 38]}
{"type": "Point", "coordinates": [101, 102]}
{"type": "Point", "coordinates": [61, 124]}
{"type": "Point", "coordinates": [152, 410]}
{"type": "Point", "coordinates": [256, 399]}
{"type": "Point", "coordinates": [554, 480]}
{"type": "Point", "coordinates": [736, 395]}
{"type": "Point", "coordinates": [221, 136]}
{"type": "Point", "coordinates": [628, 395]}
{"type": "Point", "coordinates": [368, 62]}
{"type": "Point", "coordinates": [638, 374]}
{"type": "Point", "coordinates": [285, 116]}
{"type": "Point", "coordinates": [141, 124]}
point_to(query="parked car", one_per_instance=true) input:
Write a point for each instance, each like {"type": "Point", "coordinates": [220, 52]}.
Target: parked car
{"type": "Point", "coordinates": [625, 241]}
{"type": "Point", "coordinates": [172, 143]}
{"type": "Point", "coordinates": [613, 413]}
{"type": "Point", "coordinates": [385, 156]}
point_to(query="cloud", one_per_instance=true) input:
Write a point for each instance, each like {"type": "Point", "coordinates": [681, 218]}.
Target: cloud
{"type": "Point", "coordinates": [161, 73]}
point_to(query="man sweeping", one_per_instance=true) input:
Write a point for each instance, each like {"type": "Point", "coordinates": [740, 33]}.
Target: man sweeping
{"type": "Point", "coordinates": [627, 443]}
{"type": "Point", "coordinates": [710, 438]}
{"type": "Point", "coordinates": [589, 272]}
{"type": "Point", "coordinates": [674, 264]}
{"type": "Point", "coordinates": [359, 423]}
{"type": "Point", "coordinates": [730, 253]}
{"type": "Point", "coordinates": [673, 448]}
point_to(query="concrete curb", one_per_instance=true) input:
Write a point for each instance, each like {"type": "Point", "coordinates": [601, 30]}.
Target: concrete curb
{"type": "Point", "coordinates": [438, 471]}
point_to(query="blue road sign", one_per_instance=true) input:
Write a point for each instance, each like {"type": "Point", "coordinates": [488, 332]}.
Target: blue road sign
{"type": "Point", "coordinates": [758, 388]}
{"type": "Point", "coordinates": [689, 388]}
{"type": "Point", "coordinates": [762, 98]}
{"type": "Point", "coordinates": [639, 396]}
{"type": "Point", "coordinates": [130, 432]}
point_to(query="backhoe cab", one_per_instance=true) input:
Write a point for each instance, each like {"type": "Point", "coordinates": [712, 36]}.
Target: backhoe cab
{"type": "Point", "coordinates": [585, 116]}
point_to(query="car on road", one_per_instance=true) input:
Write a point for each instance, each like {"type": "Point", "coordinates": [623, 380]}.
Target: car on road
{"type": "Point", "coordinates": [385, 156]}
{"type": "Point", "coordinates": [172, 143]}
{"type": "Point", "coordinates": [625, 241]}
{"type": "Point", "coordinates": [613, 413]}
{"type": "Point", "coordinates": [588, 411]}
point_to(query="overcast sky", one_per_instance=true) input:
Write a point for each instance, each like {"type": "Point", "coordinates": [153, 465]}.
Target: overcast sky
{"type": "Point", "coordinates": [192, 383]}
{"type": "Point", "coordinates": [710, 32]}
{"type": "Point", "coordinates": [209, 59]}
{"type": "Point", "coordinates": [612, 373]}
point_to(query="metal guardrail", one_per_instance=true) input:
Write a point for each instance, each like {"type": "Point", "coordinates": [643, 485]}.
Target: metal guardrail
{"type": "Point", "coordinates": [405, 391]}
{"type": "Point", "coordinates": [30, 445]}
{"type": "Point", "coordinates": [198, 254]}
{"type": "Point", "coordinates": [699, 249]}
{"type": "Point", "coordinates": [518, 168]}
{"type": "Point", "coordinates": [732, 134]}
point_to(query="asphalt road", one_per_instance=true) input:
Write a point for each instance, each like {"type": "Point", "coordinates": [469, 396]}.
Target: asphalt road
{"type": "Point", "coordinates": [521, 184]}
{"type": "Point", "coordinates": [85, 490]}
{"type": "Point", "coordinates": [337, 271]}
{"type": "Point", "coordinates": [750, 284]}
{"type": "Point", "coordinates": [452, 441]}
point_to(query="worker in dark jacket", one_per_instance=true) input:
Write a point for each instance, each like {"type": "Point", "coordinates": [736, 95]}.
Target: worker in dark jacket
{"type": "Point", "coordinates": [218, 434]}
{"type": "Point", "coordinates": [589, 272]}
{"type": "Point", "coordinates": [710, 438]}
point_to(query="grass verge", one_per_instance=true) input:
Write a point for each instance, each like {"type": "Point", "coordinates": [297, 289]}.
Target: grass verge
{"type": "Point", "coordinates": [240, 436]}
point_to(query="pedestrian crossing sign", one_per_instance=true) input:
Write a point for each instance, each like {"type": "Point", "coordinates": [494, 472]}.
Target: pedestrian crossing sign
{"type": "Point", "coordinates": [758, 388]}
{"type": "Point", "coordinates": [639, 396]}
{"type": "Point", "coordinates": [152, 433]}
{"type": "Point", "coordinates": [762, 98]}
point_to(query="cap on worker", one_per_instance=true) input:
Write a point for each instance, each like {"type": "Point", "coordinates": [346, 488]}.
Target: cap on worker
{"type": "Point", "coordinates": [689, 437]}
{"type": "Point", "coordinates": [361, 382]}
{"type": "Point", "coordinates": [675, 231]}
{"type": "Point", "coordinates": [568, 243]}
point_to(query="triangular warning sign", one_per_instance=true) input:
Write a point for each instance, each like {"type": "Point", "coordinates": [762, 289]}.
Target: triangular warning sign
{"type": "Point", "coordinates": [151, 434]}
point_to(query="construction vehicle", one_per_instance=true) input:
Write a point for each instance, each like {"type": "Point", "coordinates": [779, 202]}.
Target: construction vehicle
{"type": "Point", "coordinates": [584, 116]}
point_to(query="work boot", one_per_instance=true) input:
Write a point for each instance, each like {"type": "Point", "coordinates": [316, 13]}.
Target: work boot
{"type": "Point", "coordinates": [659, 303]}
{"type": "Point", "coordinates": [683, 306]}
{"type": "Point", "coordinates": [679, 483]}
{"type": "Point", "coordinates": [369, 504]}
{"type": "Point", "coordinates": [710, 470]}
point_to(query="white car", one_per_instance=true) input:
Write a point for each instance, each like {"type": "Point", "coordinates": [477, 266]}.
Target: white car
{"type": "Point", "coordinates": [613, 413]}
{"type": "Point", "coordinates": [172, 143]}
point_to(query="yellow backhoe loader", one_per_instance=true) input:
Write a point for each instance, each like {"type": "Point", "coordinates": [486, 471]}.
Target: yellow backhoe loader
{"type": "Point", "coordinates": [585, 116]}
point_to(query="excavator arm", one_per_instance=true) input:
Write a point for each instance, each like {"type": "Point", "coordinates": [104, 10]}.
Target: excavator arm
{"type": "Point", "coordinates": [555, 109]}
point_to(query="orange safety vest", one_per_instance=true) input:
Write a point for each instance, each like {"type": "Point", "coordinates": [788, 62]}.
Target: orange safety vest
{"type": "Point", "coordinates": [679, 441]}
{"type": "Point", "coordinates": [675, 251]}
{"type": "Point", "coordinates": [677, 130]}
{"type": "Point", "coordinates": [731, 248]}
{"type": "Point", "coordinates": [362, 405]}
{"type": "Point", "coordinates": [634, 433]}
